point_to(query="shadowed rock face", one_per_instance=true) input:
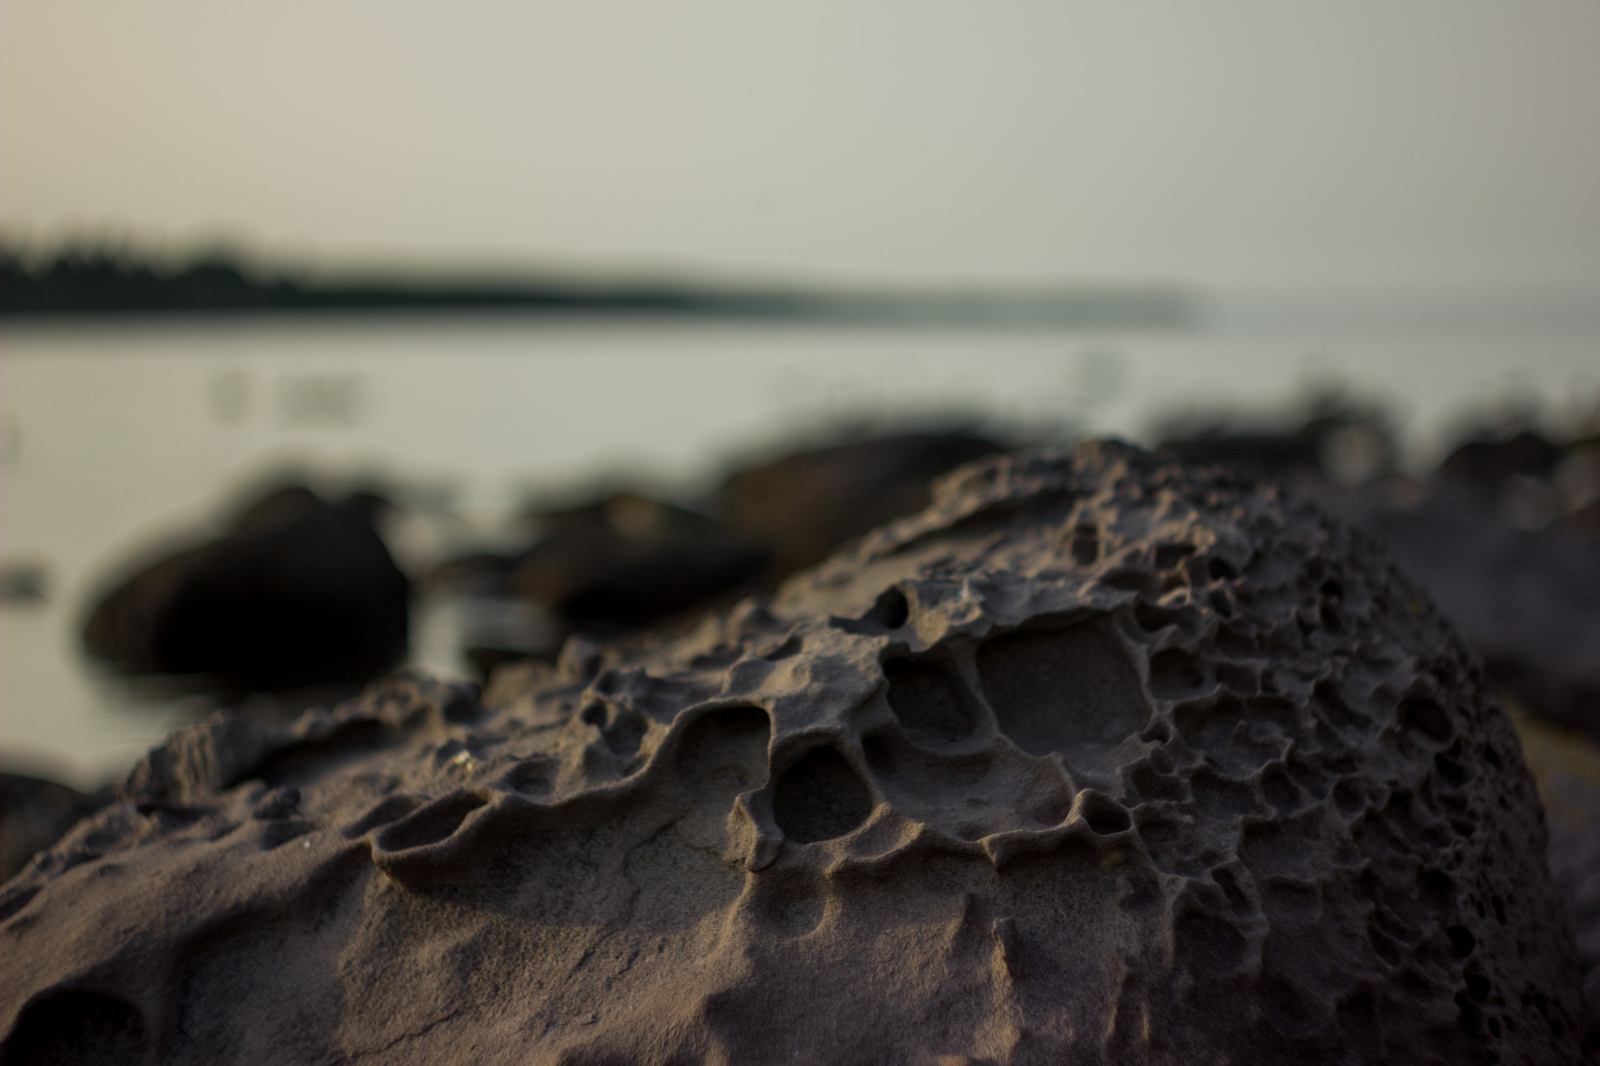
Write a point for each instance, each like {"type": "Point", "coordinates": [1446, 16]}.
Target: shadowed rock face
{"type": "Point", "coordinates": [1097, 759]}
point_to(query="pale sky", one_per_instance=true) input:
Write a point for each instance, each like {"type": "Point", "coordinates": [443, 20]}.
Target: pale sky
{"type": "Point", "coordinates": [1226, 144]}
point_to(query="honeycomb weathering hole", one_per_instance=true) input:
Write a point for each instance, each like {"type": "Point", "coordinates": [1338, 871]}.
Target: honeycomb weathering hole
{"type": "Point", "coordinates": [819, 798]}
{"type": "Point", "coordinates": [931, 704]}
{"type": "Point", "coordinates": [77, 1027]}
{"type": "Point", "coordinates": [1057, 690]}
{"type": "Point", "coordinates": [727, 747]}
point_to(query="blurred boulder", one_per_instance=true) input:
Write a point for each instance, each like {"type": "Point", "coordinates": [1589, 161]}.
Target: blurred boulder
{"type": "Point", "coordinates": [1528, 601]}
{"type": "Point", "coordinates": [299, 592]}
{"type": "Point", "coordinates": [34, 814]}
{"type": "Point", "coordinates": [626, 560]}
{"type": "Point", "coordinates": [1339, 440]}
{"type": "Point", "coordinates": [1490, 464]}
{"type": "Point", "coordinates": [1566, 768]}
{"type": "Point", "coordinates": [807, 503]}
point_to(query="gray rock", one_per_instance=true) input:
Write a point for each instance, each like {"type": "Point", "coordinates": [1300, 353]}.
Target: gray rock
{"type": "Point", "coordinates": [1528, 602]}
{"type": "Point", "coordinates": [1099, 758]}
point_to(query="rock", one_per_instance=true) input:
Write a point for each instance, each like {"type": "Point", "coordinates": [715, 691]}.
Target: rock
{"type": "Point", "coordinates": [807, 503]}
{"type": "Point", "coordinates": [1099, 758]}
{"type": "Point", "coordinates": [300, 592]}
{"type": "Point", "coordinates": [1566, 767]}
{"type": "Point", "coordinates": [628, 560]}
{"type": "Point", "coordinates": [34, 813]}
{"type": "Point", "coordinates": [1490, 463]}
{"type": "Point", "coordinates": [1339, 439]}
{"type": "Point", "coordinates": [1527, 601]}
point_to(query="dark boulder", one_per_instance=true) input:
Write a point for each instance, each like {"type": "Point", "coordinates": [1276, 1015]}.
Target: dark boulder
{"type": "Point", "coordinates": [1337, 439]}
{"type": "Point", "coordinates": [626, 560]}
{"type": "Point", "coordinates": [1528, 601]}
{"type": "Point", "coordinates": [1490, 463]}
{"type": "Point", "coordinates": [808, 503]}
{"type": "Point", "coordinates": [299, 592]}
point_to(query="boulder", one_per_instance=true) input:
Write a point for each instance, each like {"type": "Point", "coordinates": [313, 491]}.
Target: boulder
{"type": "Point", "coordinates": [1100, 758]}
{"type": "Point", "coordinates": [299, 592]}
{"type": "Point", "coordinates": [807, 503]}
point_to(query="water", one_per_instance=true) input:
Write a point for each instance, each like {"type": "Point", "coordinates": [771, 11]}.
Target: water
{"type": "Point", "coordinates": [119, 435]}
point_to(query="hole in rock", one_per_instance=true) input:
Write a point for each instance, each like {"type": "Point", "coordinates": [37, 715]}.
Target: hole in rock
{"type": "Point", "coordinates": [889, 612]}
{"type": "Point", "coordinates": [1221, 570]}
{"type": "Point", "coordinates": [1478, 986]}
{"type": "Point", "coordinates": [1154, 619]}
{"type": "Point", "coordinates": [1438, 891]}
{"type": "Point", "coordinates": [880, 760]}
{"type": "Point", "coordinates": [929, 700]}
{"type": "Point", "coordinates": [1174, 674]}
{"type": "Point", "coordinates": [1085, 545]}
{"type": "Point", "coordinates": [1462, 942]}
{"type": "Point", "coordinates": [1240, 645]}
{"type": "Point", "coordinates": [819, 798]}
{"type": "Point", "coordinates": [1170, 555]}
{"type": "Point", "coordinates": [1219, 603]}
{"type": "Point", "coordinates": [726, 749]}
{"type": "Point", "coordinates": [1285, 1006]}
{"type": "Point", "coordinates": [1469, 1019]}
{"type": "Point", "coordinates": [1279, 790]}
{"type": "Point", "coordinates": [1153, 785]}
{"type": "Point", "coordinates": [533, 777]}
{"type": "Point", "coordinates": [1105, 815]}
{"type": "Point", "coordinates": [432, 823]}
{"type": "Point", "coordinates": [1240, 679]}
{"type": "Point", "coordinates": [1222, 797]}
{"type": "Point", "coordinates": [77, 1027]}
{"type": "Point", "coordinates": [624, 735]}
{"type": "Point", "coordinates": [1454, 774]}
{"type": "Point", "coordinates": [1499, 909]}
{"type": "Point", "coordinates": [462, 708]}
{"type": "Point", "coordinates": [1422, 715]}
{"type": "Point", "coordinates": [1208, 945]}
{"type": "Point", "coordinates": [1132, 581]}
{"type": "Point", "coordinates": [1058, 690]}
{"type": "Point", "coordinates": [1229, 884]}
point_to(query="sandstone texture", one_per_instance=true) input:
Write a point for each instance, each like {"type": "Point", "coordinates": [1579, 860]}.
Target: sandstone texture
{"type": "Point", "coordinates": [1099, 759]}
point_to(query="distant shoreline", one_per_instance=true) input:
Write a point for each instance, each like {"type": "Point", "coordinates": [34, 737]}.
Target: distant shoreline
{"type": "Point", "coordinates": [97, 286]}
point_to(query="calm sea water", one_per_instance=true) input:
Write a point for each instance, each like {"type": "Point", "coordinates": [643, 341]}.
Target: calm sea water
{"type": "Point", "coordinates": [116, 436]}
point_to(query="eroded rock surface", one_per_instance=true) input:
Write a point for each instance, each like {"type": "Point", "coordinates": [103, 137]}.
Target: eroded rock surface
{"type": "Point", "coordinates": [1098, 759]}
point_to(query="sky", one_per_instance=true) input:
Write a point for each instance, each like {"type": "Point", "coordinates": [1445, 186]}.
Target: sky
{"type": "Point", "coordinates": [1390, 145]}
